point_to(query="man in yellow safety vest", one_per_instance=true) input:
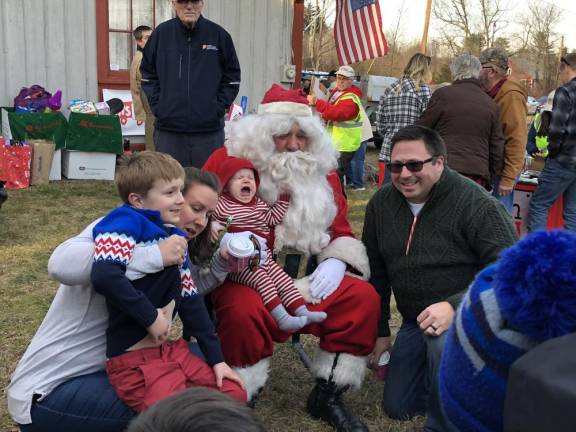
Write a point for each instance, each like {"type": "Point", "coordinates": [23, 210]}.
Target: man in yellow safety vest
{"type": "Point", "coordinates": [342, 113]}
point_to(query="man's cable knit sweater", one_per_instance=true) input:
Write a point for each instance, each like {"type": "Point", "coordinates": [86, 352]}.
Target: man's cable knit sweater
{"type": "Point", "coordinates": [460, 230]}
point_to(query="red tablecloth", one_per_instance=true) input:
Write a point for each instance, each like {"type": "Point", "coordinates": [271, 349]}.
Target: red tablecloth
{"type": "Point", "coordinates": [522, 195]}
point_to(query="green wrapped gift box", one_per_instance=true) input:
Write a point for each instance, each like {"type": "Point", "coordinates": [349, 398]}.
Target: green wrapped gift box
{"type": "Point", "coordinates": [94, 133]}
{"type": "Point", "coordinates": [46, 126]}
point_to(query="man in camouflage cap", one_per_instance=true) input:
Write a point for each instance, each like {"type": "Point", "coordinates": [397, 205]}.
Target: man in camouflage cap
{"type": "Point", "coordinates": [510, 97]}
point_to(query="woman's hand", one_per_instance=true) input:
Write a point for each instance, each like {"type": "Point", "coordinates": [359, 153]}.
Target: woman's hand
{"type": "Point", "coordinates": [224, 252]}
{"type": "Point", "coordinates": [222, 370]}
{"type": "Point", "coordinates": [215, 229]}
{"type": "Point", "coordinates": [173, 250]}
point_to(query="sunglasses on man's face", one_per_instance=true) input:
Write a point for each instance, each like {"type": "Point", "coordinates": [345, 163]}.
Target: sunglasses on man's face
{"type": "Point", "coordinates": [183, 2]}
{"type": "Point", "coordinates": [563, 60]}
{"type": "Point", "coordinates": [413, 166]}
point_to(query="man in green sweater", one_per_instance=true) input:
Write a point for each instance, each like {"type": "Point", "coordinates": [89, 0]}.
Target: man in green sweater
{"type": "Point", "coordinates": [427, 234]}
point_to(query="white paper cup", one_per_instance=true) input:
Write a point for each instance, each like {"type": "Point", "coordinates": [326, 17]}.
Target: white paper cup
{"type": "Point", "coordinates": [240, 250]}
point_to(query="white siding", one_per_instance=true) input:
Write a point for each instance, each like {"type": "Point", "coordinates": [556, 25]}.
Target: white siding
{"type": "Point", "coordinates": [53, 43]}
{"type": "Point", "coordinates": [48, 42]}
{"type": "Point", "coordinates": [262, 34]}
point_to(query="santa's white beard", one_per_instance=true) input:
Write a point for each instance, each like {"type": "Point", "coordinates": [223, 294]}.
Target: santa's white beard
{"type": "Point", "coordinates": [312, 208]}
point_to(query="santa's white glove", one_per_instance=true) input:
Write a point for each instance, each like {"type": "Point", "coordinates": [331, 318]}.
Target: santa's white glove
{"type": "Point", "coordinates": [327, 277]}
{"type": "Point", "coordinates": [264, 251]}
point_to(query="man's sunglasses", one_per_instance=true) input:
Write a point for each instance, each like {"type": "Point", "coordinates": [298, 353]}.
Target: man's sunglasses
{"type": "Point", "coordinates": [566, 62]}
{"type": "Point", "coordinates": [413, 166]}
{"type": "Point", "coordinates": [188, 1]}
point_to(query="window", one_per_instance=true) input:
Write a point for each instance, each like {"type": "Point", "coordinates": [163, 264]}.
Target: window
{"type": "Point", "coordinates": [116, 19]}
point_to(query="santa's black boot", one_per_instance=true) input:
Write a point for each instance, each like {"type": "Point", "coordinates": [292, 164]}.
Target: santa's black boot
{"type": "Point", "coordinates": [325, 403]}
{"type": "Point", "coordinates": [3, 193]}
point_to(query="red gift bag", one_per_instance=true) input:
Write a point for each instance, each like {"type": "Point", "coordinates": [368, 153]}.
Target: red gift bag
{"type": "Point", "coordinates": [15, 166]}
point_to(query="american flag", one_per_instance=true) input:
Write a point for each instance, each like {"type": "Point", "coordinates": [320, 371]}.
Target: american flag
{"type": "Point", "coordinates": [358, 31]}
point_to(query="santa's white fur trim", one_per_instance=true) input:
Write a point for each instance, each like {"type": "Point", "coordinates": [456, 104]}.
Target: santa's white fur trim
{"type": "Point", "coordinates": [349, 370]}
{"type": "Point", "coordinates": [303, 287]}
{"type": "Point", "coordinates": [291, 108]}
{"type": "Point", "coordinates": [254, 377]}
{"type": "Point", "coordinates": [352, 252]}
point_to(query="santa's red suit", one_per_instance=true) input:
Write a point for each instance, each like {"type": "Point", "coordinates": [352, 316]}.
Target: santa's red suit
{"type": "Point", "coordinates": [316, 223]}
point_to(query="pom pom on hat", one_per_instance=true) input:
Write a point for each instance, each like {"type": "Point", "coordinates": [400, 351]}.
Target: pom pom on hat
{"type": "Point", "coordinates": [536, 285]}
{"type": "Point", "coordinates": [278, 100]}
{"type": "Point", "coordinates": [526, 298]}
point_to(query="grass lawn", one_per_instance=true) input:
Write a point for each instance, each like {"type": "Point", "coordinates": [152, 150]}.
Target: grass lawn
{"type": "Point", "coordinates": [34, 221]}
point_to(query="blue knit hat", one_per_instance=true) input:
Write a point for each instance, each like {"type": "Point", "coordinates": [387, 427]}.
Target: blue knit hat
{"type": "Point", "coordinates": [529, 296]}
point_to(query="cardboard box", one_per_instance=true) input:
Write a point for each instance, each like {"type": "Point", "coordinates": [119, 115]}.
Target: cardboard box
{"type": "Point", "coordinates": [56, 169]}
{"type": "Point", "coordinates": [42, 157]}
{"type": "Point", "coordinates": [81, 165]}
{"type": "Point", "coordinates": [51, 126]}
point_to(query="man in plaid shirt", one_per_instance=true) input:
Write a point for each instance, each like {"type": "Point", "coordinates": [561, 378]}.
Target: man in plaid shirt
{"type": "Point", "coordinates": [559, 173]}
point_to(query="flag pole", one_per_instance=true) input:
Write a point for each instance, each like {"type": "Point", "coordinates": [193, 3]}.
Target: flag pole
{"type": "Point", "coordinates": [424, 40]}
{"type": "Point", "coordinates": [370, 67]}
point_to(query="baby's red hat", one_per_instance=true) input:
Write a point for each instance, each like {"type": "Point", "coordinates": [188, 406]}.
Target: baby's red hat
{"type": "Point", "coordinates": [231, 166]}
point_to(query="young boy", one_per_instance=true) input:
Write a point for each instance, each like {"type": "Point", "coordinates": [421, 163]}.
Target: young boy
{"type": "Point", "coordinates": [239, 181]}
{"type": "Point", "coordinates": [143, 366]}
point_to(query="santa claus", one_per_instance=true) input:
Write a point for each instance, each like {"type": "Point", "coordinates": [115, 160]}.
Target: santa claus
{"type": "Point", "coordinates": [293, 154]}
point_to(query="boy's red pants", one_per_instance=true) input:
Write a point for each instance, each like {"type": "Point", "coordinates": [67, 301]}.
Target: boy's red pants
{"type": "Point", "coordinates": [143, 377]}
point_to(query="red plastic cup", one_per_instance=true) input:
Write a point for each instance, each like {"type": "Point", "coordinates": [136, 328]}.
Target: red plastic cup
{"type": "Point", "coordinates": [382, 368]}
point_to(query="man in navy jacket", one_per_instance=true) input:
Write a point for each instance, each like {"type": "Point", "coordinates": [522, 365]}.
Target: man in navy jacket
{"type": "Point", "coordinates": [190, 74]}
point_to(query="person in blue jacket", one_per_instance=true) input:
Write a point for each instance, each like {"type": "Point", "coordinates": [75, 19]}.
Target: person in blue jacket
{"type": "Point", "coordinates": [190, 74]}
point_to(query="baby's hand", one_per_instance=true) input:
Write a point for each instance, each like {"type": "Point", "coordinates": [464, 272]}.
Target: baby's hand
{"type": "Point", "coordinates": [159, 328]}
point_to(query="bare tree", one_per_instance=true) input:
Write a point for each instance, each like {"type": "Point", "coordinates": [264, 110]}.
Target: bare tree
{"type": "Point", "coordinates": [492, 19]}
{"type": "Point", "coordinates": [470, 25]}
{"type": "Point", "coordinates": [394, 36]}
{"type": "Point", "coordinates": [316, 29]}
{"type": "Point", "coordinates": [542, 18]}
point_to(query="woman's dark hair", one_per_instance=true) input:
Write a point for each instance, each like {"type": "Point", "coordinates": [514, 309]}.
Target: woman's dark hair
{"type": "Point", "coordinates": [201, 248]}
{"type": "Point", "coordinates": [545, 118]}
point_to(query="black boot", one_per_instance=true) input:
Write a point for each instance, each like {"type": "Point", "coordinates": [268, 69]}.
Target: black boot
{"type": "Point", "coordinates": [252, 402]}
{"type": "Point", "coordinates": [325, 403]}
{"type": "Point", "coordinates": [3, 193]}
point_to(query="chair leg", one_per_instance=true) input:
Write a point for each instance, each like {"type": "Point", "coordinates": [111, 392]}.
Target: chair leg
{"type": "Point", "coordinates": [304, 357]}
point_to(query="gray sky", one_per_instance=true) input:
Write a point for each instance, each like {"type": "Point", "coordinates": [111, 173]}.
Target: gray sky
{"type": "Point", "coordinates": [413, 21]}
{"type": "Point", "coordinates": [414, 10]}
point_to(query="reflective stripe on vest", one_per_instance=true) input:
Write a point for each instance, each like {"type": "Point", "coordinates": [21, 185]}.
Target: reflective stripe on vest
{"type": "Point", "coordinates": [347, 135]}
{"type": "Point", "coordinates": [541, 141]}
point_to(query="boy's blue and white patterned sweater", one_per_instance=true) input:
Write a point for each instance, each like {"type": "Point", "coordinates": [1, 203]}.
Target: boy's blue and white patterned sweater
{"type": "Point", "coordinates": [132, 306]}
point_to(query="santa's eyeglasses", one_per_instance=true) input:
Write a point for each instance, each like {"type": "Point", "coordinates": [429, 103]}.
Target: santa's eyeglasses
{"type": "Point", "coordinates": [413, 166]}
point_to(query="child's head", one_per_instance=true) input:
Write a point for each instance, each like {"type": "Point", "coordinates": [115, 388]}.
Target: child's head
{"type": "Point", "coordinates": [151, 180]}
{"type": "Point", "coordinates": [197, 409]}
{"type": "Point", "coordinates": [141, 35]}
{"type": "Point", "coordinates": [239, 179]}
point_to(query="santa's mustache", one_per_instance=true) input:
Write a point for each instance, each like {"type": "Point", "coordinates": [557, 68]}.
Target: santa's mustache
{"type": "Point", "coordinates": [283, 167]}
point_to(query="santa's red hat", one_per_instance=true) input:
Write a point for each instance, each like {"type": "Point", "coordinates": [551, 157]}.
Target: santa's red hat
{"type": "Point", "coordinates": [230, 166]}
{"type": "Point", "coordinates": [278, 100]}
